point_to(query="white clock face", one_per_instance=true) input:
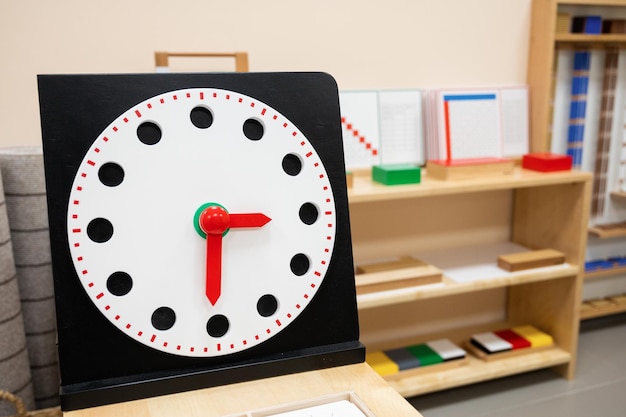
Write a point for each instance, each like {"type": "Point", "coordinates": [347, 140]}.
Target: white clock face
{"type": "Point", "coordinates": [201, 222]}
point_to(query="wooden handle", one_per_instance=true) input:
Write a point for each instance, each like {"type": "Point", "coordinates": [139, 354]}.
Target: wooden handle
{"type": "Point", "coordinates": [161, 59]}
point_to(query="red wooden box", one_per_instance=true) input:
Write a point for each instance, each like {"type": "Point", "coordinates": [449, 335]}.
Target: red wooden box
{"type": "Point", "coordinates": [547, 162]}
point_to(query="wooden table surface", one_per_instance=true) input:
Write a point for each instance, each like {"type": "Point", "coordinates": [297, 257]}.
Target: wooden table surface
{"type": "Point", "coordinates": [360, 378]}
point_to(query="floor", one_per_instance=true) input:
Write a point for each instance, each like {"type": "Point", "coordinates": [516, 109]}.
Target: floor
{"type": "Point", "coordinates": [598, 389]}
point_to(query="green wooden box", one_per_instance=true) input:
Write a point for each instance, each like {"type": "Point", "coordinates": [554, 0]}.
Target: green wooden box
{"type": "Point", "coordinates": [395, 174]}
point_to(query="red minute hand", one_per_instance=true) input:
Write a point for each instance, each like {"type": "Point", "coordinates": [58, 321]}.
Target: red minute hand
{"type": "Point", "coordinates": [213, 288]}
{"type": "Point", "coordinates": [215, 221]}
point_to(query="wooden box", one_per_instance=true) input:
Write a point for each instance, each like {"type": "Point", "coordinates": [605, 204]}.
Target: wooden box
{"type": "Point", "coordinates": [547, 162]}
{"type": "Point", "coordinates": [528, 260]}
{"type": "Point", "coordinates": [396, 174]}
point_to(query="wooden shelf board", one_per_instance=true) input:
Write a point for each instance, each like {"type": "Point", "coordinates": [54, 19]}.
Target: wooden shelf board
{"type": "Point", "coordinates": [605, 272]}
{"type": "Point", "coordinates": [603, 233]}
{"type": "Point", "coordinates": [604, 307]}
{"type": "Point", "coordinates": [619, 194]}
{"type": "Point", "coordinates": [477, 370]}
{"type": "Point", "coordinates": [575, 38]}
{"type": "Point", "coordinates": [592, 2]}
{"type": "Point", "coordinates": [365, 190]}
{"type": "Point", "coordinates": [479, 260]}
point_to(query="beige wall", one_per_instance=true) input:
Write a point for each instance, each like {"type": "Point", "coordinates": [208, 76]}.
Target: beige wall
{"type": "Point", "coordinates": [364, 44]}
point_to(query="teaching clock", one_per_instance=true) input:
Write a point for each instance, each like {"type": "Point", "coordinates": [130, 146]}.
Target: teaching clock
{"type": "Point", "coordinates": [199, 230]}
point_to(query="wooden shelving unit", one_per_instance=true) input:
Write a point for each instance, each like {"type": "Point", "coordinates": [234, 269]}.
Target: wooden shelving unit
{"type": "Point", "coordinates": [460, 227]}
{"type": "Point", "coordinates": [543, 42]}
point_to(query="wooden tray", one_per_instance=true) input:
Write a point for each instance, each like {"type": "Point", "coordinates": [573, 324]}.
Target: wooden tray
{"type": "Point", "coordinates": [488, 357]}
{"type": "Point", "coordinates": [401, 273]}
{"type": "Point", "coordinates": [455, 363]}
{"type": "Point", "coordinates": [316, 407]}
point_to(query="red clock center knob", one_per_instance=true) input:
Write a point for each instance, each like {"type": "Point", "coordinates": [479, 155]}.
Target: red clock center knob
{"type": "Point", "coordinates": [214, 220]}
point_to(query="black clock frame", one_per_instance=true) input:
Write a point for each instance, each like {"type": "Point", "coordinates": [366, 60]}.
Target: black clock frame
{"type": "Point", "coordinates": [99, 364]}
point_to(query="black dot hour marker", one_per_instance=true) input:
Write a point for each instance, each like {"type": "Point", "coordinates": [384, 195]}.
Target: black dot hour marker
{"type": "Point", "coordinates": [149, 133]}
{"type": "Point", "coordinates": [267, 305]}
{"type": "Point", "coordinates": [217, 326]}
{"type": "Point", "coordinates": [119, 283]}
{"type": "Point", "coordinates": [253, 129]}
{"type": "Point", "coordinates": [111, 174]}
{"type": "Point", "coordinates": [292, 165]}
{"type": "Point", "coordinates": [100, 230]}
{"type": "Point", "coordinates": [163, 318]}
{"type": "Point", "coordinates": [299, 264]}
{"type": "Point", "coordinates": [308, 213]}
{"type": "Point", "coordinates": [201, 117]}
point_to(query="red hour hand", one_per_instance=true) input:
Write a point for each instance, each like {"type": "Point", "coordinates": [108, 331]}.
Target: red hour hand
{"type": "Point", "coordinates": [215, 221]}
{"type": "Point", "coordinates": [248, 220]}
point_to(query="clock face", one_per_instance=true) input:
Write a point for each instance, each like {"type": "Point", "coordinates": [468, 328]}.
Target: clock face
{"type": "Point", "coordinates": [201, 222]}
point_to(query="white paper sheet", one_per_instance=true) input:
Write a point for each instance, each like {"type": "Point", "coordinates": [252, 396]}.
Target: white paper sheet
{"type": "Point", "coordinates": [342, 408]}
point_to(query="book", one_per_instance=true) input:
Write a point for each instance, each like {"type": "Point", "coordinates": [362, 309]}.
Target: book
{"type": "Point", "coordinates": [382, 127]}
{"type": "Point", "coordinates": [401, 127]}
{"type": "Point", "coordinates": [476, 123]}
{"type": "Point", "coordinates": [360, 128]}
